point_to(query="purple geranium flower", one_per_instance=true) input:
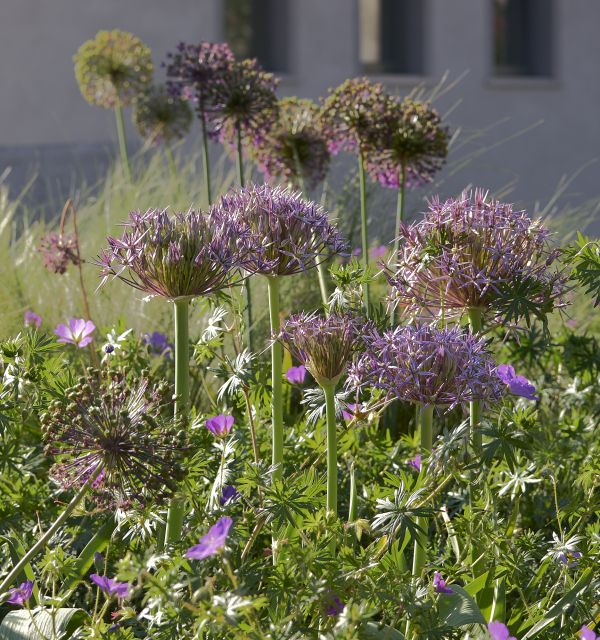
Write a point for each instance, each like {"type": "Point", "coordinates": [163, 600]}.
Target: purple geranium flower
{"type": "Point", "coordinates": [220, 425]}
{"type": "Point", "coordinates": [333, 604]}
{"type": "Point", "coordinates": [110, 587]}
{"type": "Point", "coordinates": [570, 558]}
{"type": "Point", "coordinates": [499, 631]}
{"type": "Point", "coordinates": [378, 252]}
{"type": "Point", "coordinates": [585, 633]}
{"type": "Point", "coordinates": [30, 317]}
{"type": "Point", "coordinates": [440, 584]}
{"type": "Point", "coordinates": [517, 385]}
{"type": "Point", "coordinates": [157, 342]}
{"type": "Point", "coordinates": [296, 375]}
{"type": "Point", "coordinates": [416, 462]}
{"type": "Point", "coordinates": [229, 494]}
{"type": "Point", "coordinates": [21, 594]}
{"type": "Point", "coordinates": [211, 543]}
{"type": "Point", "coordinates": [79, 332]}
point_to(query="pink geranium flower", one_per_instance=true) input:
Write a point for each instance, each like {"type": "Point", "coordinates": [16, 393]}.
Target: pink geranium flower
{"type": "Point", "coordinates": [79, 332]}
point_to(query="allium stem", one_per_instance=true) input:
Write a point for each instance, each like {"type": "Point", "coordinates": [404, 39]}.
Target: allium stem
{"type": "Point", "coordinates": [363, 224]}
{"type": "Point", "coordinates": [205, 159]}
{"type": "Point", "coordinates": [475, 322]}
{"type": "Point", "coordinates": [332, 476]}
{"type": "Point", "coordinates": [182, 394]}
{"type": "Point", "coordinates": [353, 508]}
{"type": "Point", "coordinates": [43, 541]}
{"type": "Point", "coordinates": [399, 210]}
{"type": "Point", "coordinates": [420, 552]}
{"type": "Point", "coordinates": [122, 140]}
{"type": "Point", "coordinates": [171, 161]}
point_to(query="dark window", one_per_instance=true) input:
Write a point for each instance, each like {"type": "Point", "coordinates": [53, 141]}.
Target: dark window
{"type": "Point", "coordinates": [523, 37]}
{"type": "Point", "coordinates": [391, 36]}
{"type": "Point", "coordinates": [258, 29]}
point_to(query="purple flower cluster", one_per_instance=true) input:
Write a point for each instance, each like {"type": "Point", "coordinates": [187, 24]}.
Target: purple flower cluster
{"type": "Point", "coordinates": [58, 251]}
{"type": "Point", "coordinates": [353, 116]}
{"type": "Point", "coordinates": [284, 233]}
{"type": "Point", "coordinates": [324, 345]}
{"type": "Point", "coordinates": [294, 148]}
{"type": "Point", "coordinates": [413, 142]}
{"type": "Point", "coordinates": [110, 424]}
{"type": "Point", "coordinates": [110, 587]}
{"type": "Point", "coordinates": [21, 594]}
{"type": "Point", "coordinates": [428, 366]}
{"type": "Point", "coordinates": [179, 256]}
{"type": "Point", "coordinates": [475, 253]}
{"type": "Point", "coordinates": [160, 117]}
{"type": "Point", "coordinates": [211, 543]}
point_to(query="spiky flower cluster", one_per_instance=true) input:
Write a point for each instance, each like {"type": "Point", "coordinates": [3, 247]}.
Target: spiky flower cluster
{"type": "Point", "coordinates": [426, 365]}
{"type": "Point", "coordinates": [183, 255]}
{"type": "Point", "coordinates": [108, 423]}
{"type": "Point", "coordinates": [352, 115]}
{"type": "Point", "coordinates": [160, 117]}
{"type": "Point", "coordinates": [244, 99]}
{"type": "Point", "coordinates": [58, 250]}
{"type": "Point", "coordinates": [193, 71]}
{"type": "Point", "coordinates": [324, 345]}
{"type": "Point", "coordinates": [113, 68]}
{"type": "Point", "coordinates": [295, 148]}
{"type": "Point", "coordinates": [476, 253]}
{"type": "Point", "coordinates": [413, 140]}
{"type": "Point", "coordinates": [285, 234]}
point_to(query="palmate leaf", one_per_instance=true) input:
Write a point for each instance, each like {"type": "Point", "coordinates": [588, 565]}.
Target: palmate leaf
{"type": "Point", "coordinates": [584, 257]}
{"type": "Point", "coordinates": [18, 625]}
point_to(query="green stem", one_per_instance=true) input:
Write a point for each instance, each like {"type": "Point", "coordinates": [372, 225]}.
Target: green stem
{"type": "Point", "coordinates": [122, 140]}
{"type": "Point", "coordinates": [182, 400]}
{"type": "Point", "coordinates": [363, 224]}
{"type": "Point", "coordinates": [205, 159]}
{"type": "Point", "coordinates": [43, 541]}
{"type": "Point", "coordinates": [332, 475]}
{"type": "Point", "coordinates": [399, 210]}
{"type": "Point", "coordinates": [171, 161]}
{"type": "Point", "coordinates": [420, 552]}
{"type": "Point", "coordinates": [353, 508]}
{"type": "Point", "coordinates": [475, 322]}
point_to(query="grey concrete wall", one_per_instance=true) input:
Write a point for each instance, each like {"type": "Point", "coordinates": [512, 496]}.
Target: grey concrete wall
{"type": "Point", "coordinates": [41, 104]}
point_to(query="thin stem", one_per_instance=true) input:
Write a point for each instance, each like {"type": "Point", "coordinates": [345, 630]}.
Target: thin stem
{"type": "Point", "coordinates": [43, 541]}
{"type": "Point", "coordinates": [332, 476]}
{"type": "Point", "coordinates": [363, 224]}
{"type": "Point", "coordinates": [475, 322]}
{"type": "Point", "coordinates": [205, 158]}
{"type": "Point", "coordinates": [353, 508]}
{"type": "Point", "coordinates": [399, 210]}
{"type": "Point", "coordinates": [182, 395]}
{"type": "Point", "coordinates": [122, 140]}
{"type": "Point", "coordinates": [171, 161]}
{"type": "Point", "coordinates": [420, 552]}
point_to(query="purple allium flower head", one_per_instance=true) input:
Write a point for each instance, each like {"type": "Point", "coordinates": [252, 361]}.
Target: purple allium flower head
{"type": "Point", "coordinates": [585, 633]}
{"type": "Point", "coordinates": [220, 425]}
{"type": "Point", "coordinates": [333, 604]}
{"type": "Point", "coordinates": [323, 344]}
{"type": "Point", "coordinates": [211, 543]}
{"type": "Point", "coordinates": [352, 115]}
{"type": "Point", "coordinates": [285, 234]}
{"type": "Point", "coordinates": [21, 594]}
{"type": "Point", "coordinates": [476, 253]}
{"type": "Point", "coordinates": [180, 256]}
{"type": "Point", "coordinates": [416, 463]}
{"type": "Point", "coordinates": [499, 631]}
{"type": "Point", "coordinates": [294, 148]}
{"type": "Point", "coordinates": [110, 587]}
{"type": "Point", "coordinates": [439, 583]}
{"type": "Point", "coordinates": [113, 68]}
{"type": "Point", "coordinates": [413, 140]}
{"type": "Point", "coordinates": [157, 342]}
{"type": "Point", "coordinates": [244, 99]}
{"type": "Point", "coordinates": [160, 117]}
{"type": "Point", "coordinates": [193, 72]}
{"type": "Point", "coordinates": [228, 494]}
{"type": "Point", "coordinates": [296, 375]}
{"type": "Point", "coordinates": [58, 250]}
{"type": "Point", "coordinates": [429, 366]}
{"type": "Point", "coordinates": [109, 423]}
{"type": "Point", "coordinates": [517, 385]}
{"type": "Point", "coordinates": [30, 317]}
{"type": "Point", "coordinates": [79, 332]}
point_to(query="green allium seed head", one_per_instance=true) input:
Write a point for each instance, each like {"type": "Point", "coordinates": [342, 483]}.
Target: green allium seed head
{"type": "Point", "coordinates": [162, 118]}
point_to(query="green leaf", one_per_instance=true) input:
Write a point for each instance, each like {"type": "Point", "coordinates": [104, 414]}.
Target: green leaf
{"type": "Point", "coordinates": [373, 631]}
{"type": "Point", "coordinates": [458, 609]}
{"type": "Point", "coordinates": [477, 585]}
{"type": "Point", "coordinates": [18, 625]}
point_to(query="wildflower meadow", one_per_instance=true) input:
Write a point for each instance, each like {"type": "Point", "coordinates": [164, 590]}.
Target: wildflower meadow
{"type": "Point", "coordinates": [231, 408]}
